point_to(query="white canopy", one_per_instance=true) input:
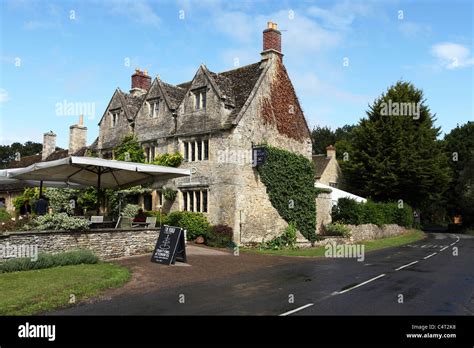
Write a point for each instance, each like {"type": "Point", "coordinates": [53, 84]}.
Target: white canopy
{"type": "Point", "coordinates": [337, 193]}
{"type": "Point", "coordinates": [6, 179]}
{"type": "Point", "coordinates": [97, 172]}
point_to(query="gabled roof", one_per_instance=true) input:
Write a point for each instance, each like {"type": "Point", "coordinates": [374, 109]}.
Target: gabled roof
{"type": "Point", "coordinates": [320, 164]}
{"type": "Point", "coordinates": [130, 104]}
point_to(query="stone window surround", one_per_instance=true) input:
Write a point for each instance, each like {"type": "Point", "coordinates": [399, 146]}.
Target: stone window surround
{"type": "Point", "coordinates": [154, 105]}
{"type": "Point", "coordinates": [114, 116]}
{"type": "Point", "coordinates": [190, 145]}
{"type": "Point", "coordinates": [199, 98]}
{"type": "Point", "coordinates": [195, 195]}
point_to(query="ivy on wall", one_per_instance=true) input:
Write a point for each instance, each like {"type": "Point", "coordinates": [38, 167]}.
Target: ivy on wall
{"type": "Point", "coordinates": [289, 179]}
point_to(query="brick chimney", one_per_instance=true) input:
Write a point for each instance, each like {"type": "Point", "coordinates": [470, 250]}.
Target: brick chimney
{"type": "Point", "coordinates": [140, 79]}
{"type": "Point", "coordinates": [77, 136]}
{"type": "Point", "coordinates": [331, 151]}
{"type": "Point", "coordinates": [272, 39]}
{"type": "Point", "coordinates": [49, 144]}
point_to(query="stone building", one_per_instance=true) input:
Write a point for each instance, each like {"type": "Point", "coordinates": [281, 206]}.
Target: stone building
{"type": "Point", "coordinates": [327, 168]}
{"type": "Point", "coordinates": [214, 120]}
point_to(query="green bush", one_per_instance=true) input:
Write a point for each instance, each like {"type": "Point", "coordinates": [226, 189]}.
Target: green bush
{"type": "Point", "coordinates": [337, 229]}
{"type": "Point", "coordinates": [289, 179]}
{"type": "Point", "coordinates": [350, 212]}
{"type": "Point", "coordinates": [169, 160]}
{"type": "Point", "coordinates": [4, 215]}
{"type": "Point", "coordinates": [286, 241]}
{"type": "Point", "coordinates": [49, 260]}
{"type": "Point", "coordinates": [220, 236]}
{"type": "Point", "coordinates": [60, 221]}
{"type": "Point", "coordinates": [169, 194]}
{"type": "Point", "coordinates": [196, 224]}
{"type": "Point", "coordinates": [130, 211]}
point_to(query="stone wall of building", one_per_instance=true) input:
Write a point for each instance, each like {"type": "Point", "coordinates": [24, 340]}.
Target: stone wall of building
{"type": "Point", "coordinates": [323, 211]}
{"type": "Point", "coordinates": [106, 243]}
{"type": "Point", "coordinates": [332, 174]}
{"type": "Point", "coordinates": [110, 136]}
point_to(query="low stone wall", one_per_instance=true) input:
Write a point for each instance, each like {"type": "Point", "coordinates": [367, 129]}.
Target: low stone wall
{"type": "Point", "coordinates": [323, 211]}
{"type": "Point", "coordinates": [370, 231]}
{"type": "Point", "coordinates": [105, 243]}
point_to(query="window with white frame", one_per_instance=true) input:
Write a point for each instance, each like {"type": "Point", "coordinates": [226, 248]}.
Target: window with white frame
{"type": "Point", "coordinates": [196, 150]}
{"type": "Point", "coordinates": [195, 200]}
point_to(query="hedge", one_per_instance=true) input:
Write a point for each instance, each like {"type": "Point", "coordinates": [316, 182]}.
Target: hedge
{"type": "Point", "coordinates": [349, 211]}
{"type": "Point", "coordinates": [196, 224]}
{"type": "Point", "coordinates": [289, 179]}
{"type": "Point", "coordinates": [49, 260]}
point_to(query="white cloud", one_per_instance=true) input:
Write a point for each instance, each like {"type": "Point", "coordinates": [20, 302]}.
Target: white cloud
{"type": "Point", "coordinates": [452, 56]}
{"type": "Point", "coordinates": [341, 16]}
{"type": "Point", "coordinates": [4, 97]}
{"type": "Point", "coordinates": [137, 10]}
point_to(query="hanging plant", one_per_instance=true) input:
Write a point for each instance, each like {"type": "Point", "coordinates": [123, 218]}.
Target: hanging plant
{"type": "Point", "coordinates": [169, 194]}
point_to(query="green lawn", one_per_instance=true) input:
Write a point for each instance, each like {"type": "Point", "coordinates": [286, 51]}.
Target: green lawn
{"type": "Point", "coordinates": [406, 238]}
{"type": "Point", "coordinates": [469, 232]}
{"type": "Point", "coordinates": [30, 292]}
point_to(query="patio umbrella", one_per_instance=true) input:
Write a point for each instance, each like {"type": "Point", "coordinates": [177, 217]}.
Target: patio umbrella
{"type": "Point", "coordinates": [6, 179]}
{"type": "Point", "coordinates": [97, 172]}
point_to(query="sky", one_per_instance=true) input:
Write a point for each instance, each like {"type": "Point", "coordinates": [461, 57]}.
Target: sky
{"type": "Point", "coordinates": [58, 57]}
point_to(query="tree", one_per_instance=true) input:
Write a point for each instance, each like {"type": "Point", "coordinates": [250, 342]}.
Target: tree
{"type": "Point", "coordinates": [322, 137]}
{"type": "Point", "coordinates": [8, 152]}
{"type": "Point", "coordinates": [129, 150]}
{"type": "Point", "coordinates": [397, 155]}
{"type": "Point", "coordinates": [459, 147]}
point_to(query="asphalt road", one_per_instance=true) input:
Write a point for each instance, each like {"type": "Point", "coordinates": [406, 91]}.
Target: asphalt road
{"type": "Point", "coordinates": [423, 278]}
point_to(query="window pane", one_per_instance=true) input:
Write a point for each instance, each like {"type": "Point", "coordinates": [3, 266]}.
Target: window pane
{"type": "Point", "coordinates": [152, 155]}
{"type": "Point", "coordinates": [203, 99]}
{"type": "Point", "coordinates": [193, 151]}
{"type": "Point", "coordinates": [197, 96]}
{"type": "Point", "coordinates": [185, 201]}
{"type": "Point", "coordinates": [199, 150]}
{"type": "Point", "coordinates": [191, 201]}
{"type": "Point", "coordinates": [198, 201]}
{"type": "Point", "coordinates": [206, 149]}
{"type": "Point", "coordinates": [186, 148]}
{"type": "Point", "coordinates": [204, 201]}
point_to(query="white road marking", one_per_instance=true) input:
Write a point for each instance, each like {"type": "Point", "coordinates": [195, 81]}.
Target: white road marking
{"type": "Point", "coordinates": [452, 244]}
{"type": "Point", "coordinates": [296, 310]}
{"type": "Point", "coordinates": [423, 246]}
{"type": "Point", "coordinates": [446, 247]}
{"type": "Point", "coordinates": [356, 286]}
{"type": "Point", "coordinates": [427, 257]}
{"type": "Point", "coordinates": [409, 264]}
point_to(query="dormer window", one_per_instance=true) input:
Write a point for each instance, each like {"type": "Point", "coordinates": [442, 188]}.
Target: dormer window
{"type": "Point", "coordinates": [200, 99]}
{"type": "Point", "coordinates": [154, 108]}
{"type": "Point", "coordinates": [113, 119]}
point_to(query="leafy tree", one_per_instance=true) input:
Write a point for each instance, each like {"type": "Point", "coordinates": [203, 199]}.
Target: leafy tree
{"type": "Point", "coordinates": [459, 147]}
{"type": "Point", "coordinates": [398, 157]}
{"type": "Point", "coordinates": [7, 152]}
{"type": "Point", "coordinates": [341, 138]}
{"type": "Point", "coordinates": [130, 146]}
{"type": "Point", "coordinates": [322, 137]}
{"type": "Point", "coordinates": [465, 188]}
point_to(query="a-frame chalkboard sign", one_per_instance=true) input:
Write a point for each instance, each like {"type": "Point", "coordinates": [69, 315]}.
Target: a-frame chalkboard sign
{"type": "Point", "coordinates": [170, 246]}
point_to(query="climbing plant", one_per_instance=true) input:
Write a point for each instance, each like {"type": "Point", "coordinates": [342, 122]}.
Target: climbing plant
{"type": "Point", "coordinates": [289, 179]}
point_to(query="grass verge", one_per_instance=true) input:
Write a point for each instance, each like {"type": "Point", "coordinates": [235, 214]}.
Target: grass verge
{"type": "Point", "coordinates": [30, 292]}
{"type": "Point", "coordinates": [406, 238]}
